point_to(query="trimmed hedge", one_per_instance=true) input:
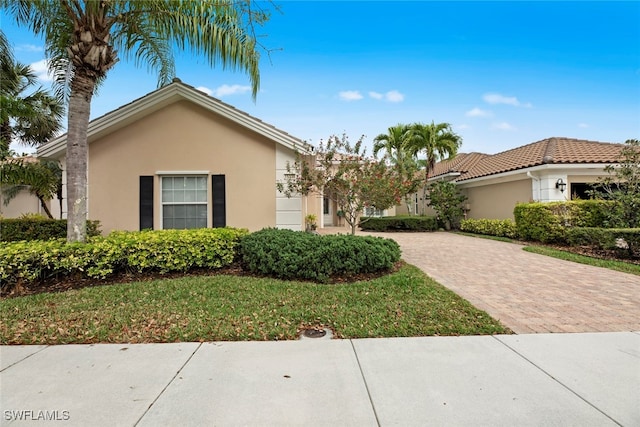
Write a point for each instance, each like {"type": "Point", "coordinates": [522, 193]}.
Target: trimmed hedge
{"type": "Point", "coordinates": [399, 223]}
{"type": "Point", "coordinates": [490, 227]}
{"type": "Point", "coordinates": [606, 238]}
{"type": "Point", "coordinates": [287, 254]}
{"type": "Point", "coordinates": [548, 222]}
{"type": "Point", "coordinates": [13, 230]}
{"type": "Point", "coordinates": [160, 250]}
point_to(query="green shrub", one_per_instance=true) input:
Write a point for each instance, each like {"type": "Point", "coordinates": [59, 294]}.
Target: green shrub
{"type": "Point", "coordinates": [35, 228]}
{"type": "Point", "coordinates": [589, 213]}
{"type": "Point", "coordinates": [287, 254]}
{"type": "Point", "coordinates": [161, 250]}
{"type": "Point", "coordinates": [490, 227]}
{"type": "Point", "coordinates": [548, 222]}
{"type": "Point", "coordinates": [399, 223]}
{"type": "Point", "coordinates": [537, 222]}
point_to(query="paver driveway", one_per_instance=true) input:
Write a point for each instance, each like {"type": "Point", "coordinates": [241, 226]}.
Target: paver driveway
{"type": "Point", "coordinates": [527, 292]}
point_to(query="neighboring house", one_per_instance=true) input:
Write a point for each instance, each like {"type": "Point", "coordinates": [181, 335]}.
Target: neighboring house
{"type": "Point", "coordinates": [177, 158]}
{"type": "Point", "coordinates": [24, 203]}
{"type": "Point", "coordinates": [554, 169]}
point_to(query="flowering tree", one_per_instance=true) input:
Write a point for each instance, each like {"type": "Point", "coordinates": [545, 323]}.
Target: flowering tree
{"type": "Point", "coordinates": [344, 173]}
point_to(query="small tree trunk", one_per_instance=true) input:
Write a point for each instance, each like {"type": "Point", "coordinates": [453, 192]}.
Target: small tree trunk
{"type": "Point", "coordinates": [407, 201]}
{"type": "Point", "coordinates": [82, 87]}
{"type": "Point", "coordinates": [44, 206]}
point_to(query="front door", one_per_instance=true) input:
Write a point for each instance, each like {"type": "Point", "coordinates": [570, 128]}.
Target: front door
{"type": "Point", "coordinates": [327, 211]}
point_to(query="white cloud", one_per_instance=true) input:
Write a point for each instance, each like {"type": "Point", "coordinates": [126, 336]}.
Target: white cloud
{"type": "Point", "coordinates": [583, 125]}
{"type": "Point", "coordinates": [502, 126]}
{"type": "Point", "coordinates": [391, 96]}
{"type": "Point", "coordinates": [350, 95]}
{"type": "Point", "coordinates": [225, 90]}
{"type": "Point", "coordinates": [205, 90]}
{"type": "Point", "coordinates": [29, 48]}
{"type": "Point", "coordinates": [477, 112]}
{"type": "Point", "coordinates": [463, 126]}
{"type": "Point", "coordinates": [394, 96]}
{"type": "Point", "coordinates": [496, 98]}
{"type": "Point", "coordinates": [41, 70]}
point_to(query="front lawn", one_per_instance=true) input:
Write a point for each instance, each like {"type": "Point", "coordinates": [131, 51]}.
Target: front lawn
{"type": "Point", "coordinates": [222, 308]}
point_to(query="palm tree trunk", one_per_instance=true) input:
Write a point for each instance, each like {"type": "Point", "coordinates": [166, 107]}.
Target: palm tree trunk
{"type": "Point", "coordinates": [82, 87]}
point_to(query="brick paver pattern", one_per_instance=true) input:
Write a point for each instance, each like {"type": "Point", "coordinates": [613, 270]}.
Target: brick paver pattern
{"type": "Point", "coordinates": [527, 292]}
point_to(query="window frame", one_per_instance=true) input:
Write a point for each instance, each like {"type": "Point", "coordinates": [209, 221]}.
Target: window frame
{"type": "Point", "coordinates": [184, 174]}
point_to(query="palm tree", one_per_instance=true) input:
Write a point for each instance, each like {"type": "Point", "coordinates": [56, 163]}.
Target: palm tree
{"type": "Point", "coordinates": [41, 178]}
{"type": "Point", "coordinates": [437, 142]}
{"type": "Point", "coordinates": [84, 37]}
{"type": "Point", "coordinates": [395, 143]}
{"type": "Point", "coordinates": [27, 117]}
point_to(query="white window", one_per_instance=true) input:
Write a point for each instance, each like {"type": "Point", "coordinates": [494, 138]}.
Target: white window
{"type": "Point", "coordinates": [371, 211]}
{"type": "Point", "coordinates": [184, 202]}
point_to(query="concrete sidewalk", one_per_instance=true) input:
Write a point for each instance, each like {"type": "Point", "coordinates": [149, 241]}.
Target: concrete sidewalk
{"type": "Point", "coordinates": [588, 379]}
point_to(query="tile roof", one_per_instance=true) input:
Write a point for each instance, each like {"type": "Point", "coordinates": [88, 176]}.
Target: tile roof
{"type": "Point", "coordinates": [461, 163]}
{"type": "Point", "coordinates": [548, 151]}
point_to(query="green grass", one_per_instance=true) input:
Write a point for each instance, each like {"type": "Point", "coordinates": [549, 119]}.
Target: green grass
{"type": "Point", "coordinates": [622, 266]}
{"type": "Point", "coordinates": [217, 308]}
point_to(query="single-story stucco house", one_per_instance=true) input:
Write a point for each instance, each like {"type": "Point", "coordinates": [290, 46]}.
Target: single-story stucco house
{"type": "Point", "coordinates": [178, 158]}
{"type": "Point", "coordinates": [554, 169]}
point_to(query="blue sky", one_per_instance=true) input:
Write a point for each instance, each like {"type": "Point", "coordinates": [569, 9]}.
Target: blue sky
{"type": "Point", "coordinates": [503, 74]}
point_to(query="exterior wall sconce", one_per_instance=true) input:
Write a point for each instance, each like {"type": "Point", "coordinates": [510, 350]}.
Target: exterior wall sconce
{"type": "Point", "coordinates": [561, 185]}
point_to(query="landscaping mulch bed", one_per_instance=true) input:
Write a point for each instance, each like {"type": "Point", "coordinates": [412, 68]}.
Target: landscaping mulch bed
{"type": "Point", "coordinates": [609, 255]}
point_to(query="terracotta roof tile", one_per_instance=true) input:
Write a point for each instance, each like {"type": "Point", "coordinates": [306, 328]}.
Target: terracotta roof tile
{"type": "Point", "coordinates": [547, 151]}
{"type": "Point", "coordinates": [461, 163]}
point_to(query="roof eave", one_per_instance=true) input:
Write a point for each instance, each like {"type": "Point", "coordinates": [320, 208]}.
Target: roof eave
{"type": "Point", "coordinates": [536, 168]}
{"type": "Point", "coordinates": [164, 96]}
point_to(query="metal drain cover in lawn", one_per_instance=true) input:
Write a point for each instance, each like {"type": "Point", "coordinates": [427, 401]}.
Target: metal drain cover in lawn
{"type": "Point", "coordinates": [316, 333]}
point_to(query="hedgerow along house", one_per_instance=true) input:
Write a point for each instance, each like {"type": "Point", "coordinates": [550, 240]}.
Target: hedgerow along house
{"type": "Point", "coordinates": [178, 158]}
{"type": "Point", "coordinates": [553, 169]}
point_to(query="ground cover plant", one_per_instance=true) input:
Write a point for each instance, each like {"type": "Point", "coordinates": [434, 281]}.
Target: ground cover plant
{"type": "Point", "coordinates": [228, 307]}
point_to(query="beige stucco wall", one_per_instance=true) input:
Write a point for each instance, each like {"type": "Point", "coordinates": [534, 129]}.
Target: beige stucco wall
{"type": "Point", "coordinates": [23, 203]}
{"type": "Point", "coordinates": [496, 201]}
{"type": "Point", "coordinates": [182, 138]}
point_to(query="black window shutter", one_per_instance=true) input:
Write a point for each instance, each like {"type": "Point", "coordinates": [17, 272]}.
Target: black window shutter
{"type": "Point", "coordinates": [146, 202]}
{"type": "Point", "coordinates": [219, 201]}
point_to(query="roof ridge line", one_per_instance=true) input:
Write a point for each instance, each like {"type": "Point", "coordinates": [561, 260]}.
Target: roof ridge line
{"type": "Point", "coordinates": [550, 150]}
